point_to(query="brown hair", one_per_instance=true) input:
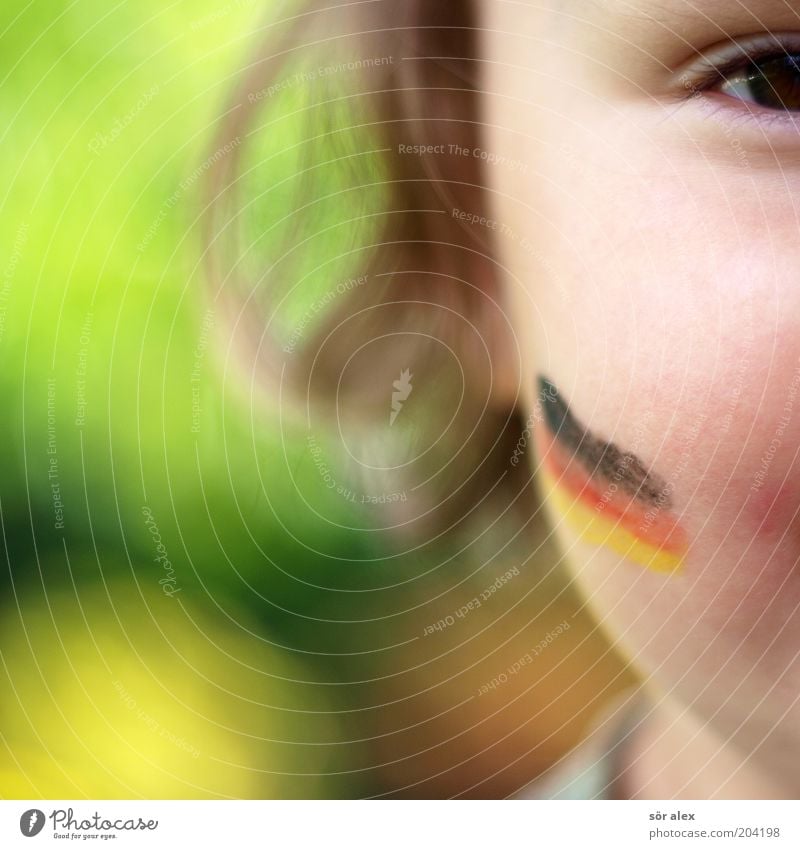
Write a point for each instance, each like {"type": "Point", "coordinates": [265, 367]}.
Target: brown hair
{"type": "Point", "coordinates": [432, 305]}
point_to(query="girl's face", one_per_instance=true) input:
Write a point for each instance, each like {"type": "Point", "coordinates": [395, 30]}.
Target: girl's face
{"type": "Point", "coordinates": [644, 162]}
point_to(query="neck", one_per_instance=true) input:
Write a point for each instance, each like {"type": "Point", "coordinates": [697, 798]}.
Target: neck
{"type": "Point", "coordinates": [675, 755]}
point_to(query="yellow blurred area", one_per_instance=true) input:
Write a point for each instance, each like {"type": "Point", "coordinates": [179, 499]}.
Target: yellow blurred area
{"type": "Point", "coordinates": [130, 693]}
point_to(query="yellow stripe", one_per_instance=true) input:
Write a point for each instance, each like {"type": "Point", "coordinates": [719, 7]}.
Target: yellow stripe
{"type": "Point", "coordinates": [595, 528]}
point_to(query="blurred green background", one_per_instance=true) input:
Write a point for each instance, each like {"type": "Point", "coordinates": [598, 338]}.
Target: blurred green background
{"type": "Point", "coordinates": [268, 652]}
{"type": "Point", "coordinates": [114, 403]}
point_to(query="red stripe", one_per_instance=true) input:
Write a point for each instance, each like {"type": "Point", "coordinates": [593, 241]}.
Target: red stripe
{"type": "Point", "coordinates": [651, 524]}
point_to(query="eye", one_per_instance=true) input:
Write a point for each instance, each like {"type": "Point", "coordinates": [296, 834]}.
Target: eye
{"type": "Point", "coordinates": [772, 82]}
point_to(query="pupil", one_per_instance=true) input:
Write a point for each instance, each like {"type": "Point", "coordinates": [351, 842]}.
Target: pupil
{"type": "Point", "coordinates": [776, 83]}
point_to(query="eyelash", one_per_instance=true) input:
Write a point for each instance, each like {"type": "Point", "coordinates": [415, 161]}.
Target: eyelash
{"type": "Point", "coordinates": [711, 76]}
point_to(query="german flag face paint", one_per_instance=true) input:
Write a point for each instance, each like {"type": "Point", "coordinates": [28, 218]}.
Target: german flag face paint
{"type": "Point", "coordinates": [606, 495]}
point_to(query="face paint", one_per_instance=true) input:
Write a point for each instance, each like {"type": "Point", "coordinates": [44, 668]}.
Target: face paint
{"type": "Point", "coordinates": [606, 495]}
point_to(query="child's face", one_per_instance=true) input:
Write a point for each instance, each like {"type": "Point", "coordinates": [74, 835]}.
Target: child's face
{"type": "Point", "coordinates": [646, 215]}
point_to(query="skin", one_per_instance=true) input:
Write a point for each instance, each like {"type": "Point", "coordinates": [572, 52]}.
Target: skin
{"type": "Point", "coordinates": [651, 250]}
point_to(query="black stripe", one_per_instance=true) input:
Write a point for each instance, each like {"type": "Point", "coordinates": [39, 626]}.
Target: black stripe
{"type": "Point", "coordinates": [598, 457]}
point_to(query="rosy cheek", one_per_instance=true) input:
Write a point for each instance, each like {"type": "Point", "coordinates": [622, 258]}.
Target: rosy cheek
{"type": "Point", "coordinates": [758, 463]}
{"type": "Point", "coordinates": [603, 513]}
{"type": "Point", "coordinates": [774, 509]}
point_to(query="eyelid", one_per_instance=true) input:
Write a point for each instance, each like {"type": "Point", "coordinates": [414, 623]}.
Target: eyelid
{"type": "Point", "coordinates": [718, 64]}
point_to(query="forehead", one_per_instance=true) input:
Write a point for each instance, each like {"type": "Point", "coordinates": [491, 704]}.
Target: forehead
{"type": "Point", "coordinates": [668, 24]}
{"type": "Point", "coordinates": [717, 11]}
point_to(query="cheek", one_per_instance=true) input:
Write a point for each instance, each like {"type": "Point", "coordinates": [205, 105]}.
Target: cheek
{"type": "Point", "coordinates": [756, 474]}
{"type": "Point", "coordinates": [772, 509]}
{"type": "Point", "coordinates": [733, 440]}
{"type": "Point", "coordinates": [716, 413]}
{"type": "Point", "coordinates": [695, 361]}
